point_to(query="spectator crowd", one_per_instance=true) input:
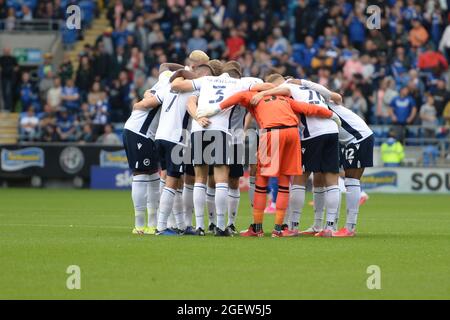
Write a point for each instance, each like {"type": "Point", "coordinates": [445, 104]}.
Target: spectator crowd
{"type": "Point", "coordinates": [394, 73]}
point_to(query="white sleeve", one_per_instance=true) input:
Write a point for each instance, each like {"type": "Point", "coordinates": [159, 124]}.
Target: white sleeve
{"type": "Point", "coordinates": [159, 94]}
{"type": "Point", "coordinates": [246, 84]}
{"type": "Point", "coordinates": [155, 87]}
{"type": "Point", "coordinates": [287, 85]}
{"type": "Point", "coordinates": [197, 83]}
{"type": "Point", "coordinates": [317, 87]}
{"type": "Point", "coordinates": [165, 76]}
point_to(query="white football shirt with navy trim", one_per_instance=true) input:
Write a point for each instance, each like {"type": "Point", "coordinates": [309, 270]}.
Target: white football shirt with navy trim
{"type": "Point", "coordinates": [145, 123]}
{"type": "Point", "coordinates": [174, 119]}
{"type": "Point", "coordinates": [214, 90]}
{"type": "Point", "coordinates": [353, 129]}
{"type": "Point", "coordinates": [311, 127]}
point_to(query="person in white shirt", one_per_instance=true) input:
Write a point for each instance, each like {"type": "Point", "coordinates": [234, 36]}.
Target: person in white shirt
{"type": "Point", "coordinates": [211, 138]}
{"type": "Point", "coordinates": [29, 125]}
{"type": "Point", "coordinates": [356, 143]}
{"type": "Point", "coordinates": [138, 138]}
{"type": "Point", "coordinates": [236, 168]}
{"type": "Point", "coordinates": [54, 94]}
{"type": "Point", "coordinates": [356, 153]}
{"type": "Point", "coordinates": [171, 142]}
{"type": "Point", "coordinates": [139, 141]}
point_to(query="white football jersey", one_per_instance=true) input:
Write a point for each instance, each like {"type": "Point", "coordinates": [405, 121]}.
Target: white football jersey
{"type": "Point", "coordinates": [145, 123]}
{"type": "Point", "coordinates": [163, 81]}
{"type": "Point", "coordinates": [211, 92]}
{"type": "Point", "coordinates": [174, 119]}
{"type": "Point", "coordinates": [353, 128]}
{"type": "Point", "coordinates": [311, 127]}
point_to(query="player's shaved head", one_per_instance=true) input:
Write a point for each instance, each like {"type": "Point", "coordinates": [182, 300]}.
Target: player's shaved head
{"type": "Point", "coordinates": [216, 66]}
{"type": "Point", "coordinates": [275, 78]}
{"type": "Point", "coordinates": [198, 57]}
{"type": "Point", "coordinates": [234, 64]}
{"type": "Point", "coordinates": [233, 68]}
{"type": "Point", "coordinates": [204, 70]}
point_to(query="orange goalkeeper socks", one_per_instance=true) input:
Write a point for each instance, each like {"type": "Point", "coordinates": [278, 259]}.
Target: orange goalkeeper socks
{"type": "Point", "coordinates": [258, 216]}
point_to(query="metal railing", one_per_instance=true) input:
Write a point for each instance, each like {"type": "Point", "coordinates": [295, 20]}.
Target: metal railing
{"type": "Point", "coordinates": [30, 25]}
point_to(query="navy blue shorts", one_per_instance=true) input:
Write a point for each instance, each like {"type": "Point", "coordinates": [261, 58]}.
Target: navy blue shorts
{"type": "Point", "coordinates": [171, 157]}
{"type": "Point", "coordinates": [141, 152]}
{"type": "Point", "coordinates": [236, 158]}
{"type": "Point", "coordinates": [236, 171]}
{"type": "Point", "coordinates": [358, 155]}
{"type": "Point", "coordinates": [188, 169]}
{"type": "Point", "coordinates": [237, 161]}
{"type": "Point", "coordinates": [210, 147]}
{"type": "Point", "coordinates": [321, 154]}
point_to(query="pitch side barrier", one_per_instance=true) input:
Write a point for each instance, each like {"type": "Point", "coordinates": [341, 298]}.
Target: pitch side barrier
{"type": "Point", "coordinates": [106, 167]}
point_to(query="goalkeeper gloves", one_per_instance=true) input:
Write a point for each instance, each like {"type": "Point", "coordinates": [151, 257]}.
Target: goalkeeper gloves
{"type": "Point", "coordinates": [208, 112]}
{"type": "Point", "coordinates": [336, 119]}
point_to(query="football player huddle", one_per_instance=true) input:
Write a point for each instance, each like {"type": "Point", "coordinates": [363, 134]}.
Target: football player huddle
{"type": "Point", "coordinates": [185, 143]}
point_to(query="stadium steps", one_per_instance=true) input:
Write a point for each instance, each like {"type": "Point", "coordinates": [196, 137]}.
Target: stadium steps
{"type": "Point", "coordinates": [98, 26]}
{"type": "Point", "coordinates": [9, 123]}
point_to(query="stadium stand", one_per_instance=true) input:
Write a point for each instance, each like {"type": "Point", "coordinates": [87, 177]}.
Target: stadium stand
{"type": "Point", "coordinates": [116, 55]}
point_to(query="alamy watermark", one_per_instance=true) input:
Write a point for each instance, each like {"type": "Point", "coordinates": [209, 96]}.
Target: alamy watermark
{"type": "Point", "coordinates": [73, 20]}
{"type": "Point", "coordinates": [374, 20]}
{"type": "Point", "coordinates": [73, 281]}
{"type": "Point", "coordinates": [374, 280]}
{"type": "Point", "coordinates": [210, 146]}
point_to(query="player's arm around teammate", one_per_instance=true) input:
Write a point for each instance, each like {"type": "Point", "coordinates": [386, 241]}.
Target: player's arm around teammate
{"type": "Point", "coordinates": [320, 149]}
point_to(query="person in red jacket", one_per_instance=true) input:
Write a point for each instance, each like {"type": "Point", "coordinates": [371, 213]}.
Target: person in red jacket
{"type": "Point", "coordinates": [432, 61]}
{"type": "Point", "coordinates": [279, 148]}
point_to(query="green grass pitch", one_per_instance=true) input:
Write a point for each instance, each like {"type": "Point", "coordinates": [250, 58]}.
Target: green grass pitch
{"type": "Point", "coordinates": [42, 232]}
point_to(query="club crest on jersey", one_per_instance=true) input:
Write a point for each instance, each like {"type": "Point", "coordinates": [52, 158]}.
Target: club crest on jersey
{"type": "Point", "coordinates": [303, 150]}
{"type": "Point", "coordinates": [139, 145]}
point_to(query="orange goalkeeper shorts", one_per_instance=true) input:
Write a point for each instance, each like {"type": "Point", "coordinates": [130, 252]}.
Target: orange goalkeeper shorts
{"type": "Point", "coordinates": [279, 152]}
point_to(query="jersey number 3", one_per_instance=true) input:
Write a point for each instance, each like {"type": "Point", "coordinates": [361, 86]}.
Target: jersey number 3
{"type": "Point", "coordinates": [219, 93]}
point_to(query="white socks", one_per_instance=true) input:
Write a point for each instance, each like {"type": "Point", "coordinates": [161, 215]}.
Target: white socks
{"type": "Point", "coordinates": [171, 220]}
{"type": "Point", "coordinates": [353, 195]}
{"type": "Point", "coordinates": [165, 207]}
{"type": "Point", "coordinates": [199, 204]}
{"type": "Point", "coordinates": [178, 210]}
{"type": "Point", "coordinates": [319, 204]}
{"type": "Point", "coordinates": [139, 197]}
{"type": "Point", "coordinates": [332, 203]}
{"type": "Point", "coordinates": [188, 203]}
{"type": "Point", "coordinates": [221, 204]}
{"type": "Point", "coordinates": [211, 204]}
{"type": "Point", "coordinates": [251, 189]}
{"type": "Point", "coordinates": [336, 221]}
{"type": "Point", "coordinates": [162, 184]}
{"type": "Point", "coordinates": [153, 199]}
{"type": "Point", "coordinates": [296, 203]}
{"type": "Point", "coordinates": [234, 195]}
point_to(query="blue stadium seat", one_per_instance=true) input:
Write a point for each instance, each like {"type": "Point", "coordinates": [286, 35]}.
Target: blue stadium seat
{"type": "Point", "coordinates": [296, 53]}
{"type": "Point", "coordinates": [69, 36]}
{"type": "Point", "coordinates": [31, 3]}
{"type": "Point", "coordinates": [87, 11]}
{"type": "Point", "coordinates": [430, 155]}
